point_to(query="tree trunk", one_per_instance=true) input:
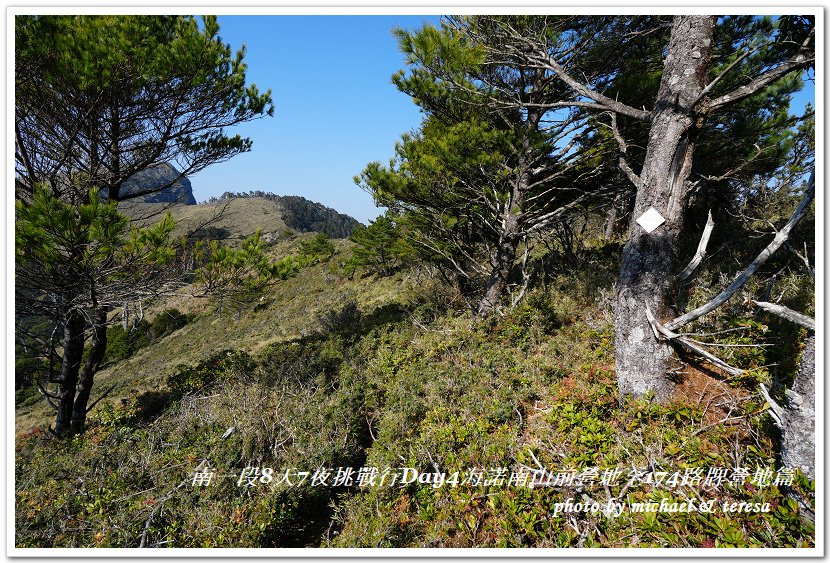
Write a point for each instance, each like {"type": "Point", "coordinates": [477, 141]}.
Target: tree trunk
{"type": "Point", "coordinates": [648, 259]}
{"type": "Point", "coordinates": [798, 447]}
{"type": "Point", "coordinates": [73, 351]}
{"type": "Point", "coordinates": [96, 355]}
{"type": "Point", "coordinates": [505, 256]}
{"type": "Point", "coordinates": [611, 220]}
{"type": "Point", "coordinates": [500, 275]}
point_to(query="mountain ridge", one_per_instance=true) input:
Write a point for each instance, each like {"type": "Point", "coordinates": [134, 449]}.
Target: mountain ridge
{"type": "Point", "coordinates": [302, 214]}
{"type": "Point", "coordinates": [233, 217]}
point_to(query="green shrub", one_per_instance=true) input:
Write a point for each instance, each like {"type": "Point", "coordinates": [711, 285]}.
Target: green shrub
{"type": "Point", "coordinates": [120, 344]}
{"type": "Point", "coordinates": [223, 365]}
{"type": "Point", "coordinates": [344, 320]}
{"type": "Point", "coordinates": [168, 321]}
{"type": "Point", "coordinates": [318, 249]}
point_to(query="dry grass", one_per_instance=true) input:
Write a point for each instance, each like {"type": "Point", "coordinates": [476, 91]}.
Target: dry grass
{"type": "Point", "coordinates": [235, 218]}
{"type": "Point", "coordinates": [288, 311]}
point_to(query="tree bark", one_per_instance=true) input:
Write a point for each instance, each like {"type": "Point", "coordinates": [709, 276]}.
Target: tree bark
{"type": "Point", "coordinates": [648, 259]}
{"type": "Point", "coordinates": [611, 220]}
{"type": "Point", "coordinates": [798, 420]}
{"type": "Point", "coordinates": [87, 377]}
{"type": "Point", "coordinates": [73, 351]}
{"type": "Point", "coordinates": [500, 275]}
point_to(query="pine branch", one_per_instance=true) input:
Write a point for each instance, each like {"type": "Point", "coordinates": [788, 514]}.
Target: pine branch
{"type": "Point", "coordinates": [801, 60]}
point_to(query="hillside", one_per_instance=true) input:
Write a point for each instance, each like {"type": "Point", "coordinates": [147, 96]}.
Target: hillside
{"type": "Point", "coordinates": [286, 313]}
{"type": "Point", "coordinates": [235, 218]}
{"type": "Point", "coordinates": [392, 372]}
{"type": "Point", "coordinates": [586, 317]}
{"type": "Point", "coordinates": [228, 220]}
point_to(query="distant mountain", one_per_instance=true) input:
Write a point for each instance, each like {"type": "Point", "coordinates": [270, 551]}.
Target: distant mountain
{"type": "Point", "coordinates": [304, 215]}
{"type": "Point", "coordinates": [150, 181]}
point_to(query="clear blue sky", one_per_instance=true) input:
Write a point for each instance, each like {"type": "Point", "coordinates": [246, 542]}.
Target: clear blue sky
{"type": "Point", "coordinates": [336, 108]}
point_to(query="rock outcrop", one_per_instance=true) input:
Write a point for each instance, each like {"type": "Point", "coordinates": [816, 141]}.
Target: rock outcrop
{"type": "Point", "coordinates": [159, 184]}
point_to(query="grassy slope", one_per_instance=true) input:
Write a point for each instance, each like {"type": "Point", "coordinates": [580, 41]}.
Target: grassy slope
{"type": "Point", "coordinates": [235, 218]}
{"type": "Point", "coordinates": [411, 383]}
{"type": "Point", "coordinates": [288, 311]}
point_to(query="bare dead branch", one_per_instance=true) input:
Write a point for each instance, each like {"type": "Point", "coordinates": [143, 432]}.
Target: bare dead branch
{"type": "Point", "coordinates": [632, 176]}
{"type": "Point", "coordinates": [775, 410]}
{"type": "Point", "coordinates": [701, 249]}
{"type": "Point", "coordinates": [804, 258]}
{"type": "Point", "coordinates": [787, 313]}
{"type": "Point", "coordinates": [741, 166]}
{"type": "Point", "coordinates": [538, 54]}
{"type": "Point", "coordinates": [689, 344]}
{"type": "Point", "coordinates": [47, 395]}
{"type": "Point", "coordinates": [723, 73]}
{"type": "Point", "coordinates": [780, 238]}
{"type": "Point", "coordinates": [107, 392]}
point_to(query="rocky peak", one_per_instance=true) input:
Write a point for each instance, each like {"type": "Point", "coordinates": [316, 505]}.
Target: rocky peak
{"type": "Point", "coordinates": [145, 186]}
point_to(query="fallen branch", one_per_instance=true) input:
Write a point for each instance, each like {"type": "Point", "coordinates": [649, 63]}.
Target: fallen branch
{"type": "Point", "coordinates": [780, 238]}
{"type": "Point", "coordinates": [666, 334]}
{"type": "Point", "coordinates": [787, 313]}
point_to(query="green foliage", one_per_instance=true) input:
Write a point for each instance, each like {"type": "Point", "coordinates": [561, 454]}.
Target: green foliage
{"type": "Point", "coordinates": [99, 100]}
{"type": "Point", "coordinates": [62, 238]}
{"type": "Point", "coordinates": [434, 188]}
{"type": "Point", "coordinates": [68, 64]}
{"type": "Point", "coordinates": [122, 344]}
{"type": "Point", "coordinates": [304, 216]}
{"type": "Point", "coordinates": [346, 320]}
{"type": "Point", "coordinates": [492, 166]}
{"type": "Point", "coordinates": [74, 259]}
{"type": "Point", "coordinates": [241, 274]}
{"type": "Point", "coordinates": [27, 371]}
{"type": "Point", "coordinates": [223, 365]}
{"type": "Point", "coordinates": [317, 249]}
{"type": "Point", "coordinates": [380, 247]}
{"type": "Point", "coordinates": [166, 322]}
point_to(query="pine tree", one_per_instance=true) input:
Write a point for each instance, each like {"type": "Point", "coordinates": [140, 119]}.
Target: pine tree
{"type": "Point", "coordinates": [99, 99]}
{"type": "Point", "coordinates": [496, 162]}
{"type": "Point", "coordinates": [718, 119]}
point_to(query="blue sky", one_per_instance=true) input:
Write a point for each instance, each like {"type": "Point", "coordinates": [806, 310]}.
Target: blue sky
{"type": "Point", "coordinates": [336, 108]}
